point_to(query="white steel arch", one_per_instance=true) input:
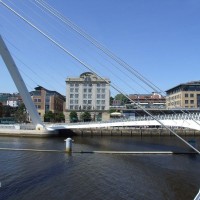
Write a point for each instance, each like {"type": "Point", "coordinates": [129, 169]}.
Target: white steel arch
{"type": "Point", "coordinates": [16, 76]}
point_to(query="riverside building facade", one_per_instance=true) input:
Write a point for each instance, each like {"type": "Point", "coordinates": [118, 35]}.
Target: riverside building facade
{"type": "Point", "coordinates": [153, 100]}
{"type": "Point", "coordinates": [88, 93]}
{"type": "Point", "coordinates": [47, 100]}
{"type": "Point", "coordinates": [185, 95]}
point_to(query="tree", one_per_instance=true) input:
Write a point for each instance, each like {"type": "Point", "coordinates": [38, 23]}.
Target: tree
{"type": "Point", "coordinates": [59, 117]}
{"type": "Point", "coordinates": [73, 116]}
{"type": "Point", "coordinates": [111, 101]}
{"type": "Point", "coordinates": [20, 114]}
{"type": "Point", "coordinates": [49, 116]}
{"type": "Point", "coordinates": [8, 111]}
{"type": "Point", "coordinates": [86, 116]}
{"type": "Point", "coordinates": [123, 99]}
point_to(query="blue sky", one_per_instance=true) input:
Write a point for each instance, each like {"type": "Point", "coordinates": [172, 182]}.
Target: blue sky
{"type": "Point", "coordinates": [158, 38]}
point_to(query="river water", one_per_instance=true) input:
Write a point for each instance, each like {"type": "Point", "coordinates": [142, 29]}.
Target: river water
{"type": "Point", "coordinates": [46, 175]}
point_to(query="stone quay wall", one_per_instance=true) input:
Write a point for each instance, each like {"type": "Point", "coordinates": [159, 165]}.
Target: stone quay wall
{"type": "Point", "coordinates": [134, 132]}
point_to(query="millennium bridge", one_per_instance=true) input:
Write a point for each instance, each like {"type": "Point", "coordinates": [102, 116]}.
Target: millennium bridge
{"type": "Point", "coordinates": [191, 121]}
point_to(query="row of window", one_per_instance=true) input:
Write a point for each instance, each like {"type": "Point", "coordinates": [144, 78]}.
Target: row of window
{"type": "Point", "coordinates": [175, 103]}
{"type": "Point", "coordinates": [189, 95]}
{"type": "Point", "coordinates": [191, 101]}
{"type": "Point", "coordinates": [86, 107]}
{"type": "Point", "coordinates": [37, 100]}
{"type": "Point", "coordinates": [87, 84]}
{"type": "Point", "coordinates": [179, 102]}
{"type": "Point", "coordinates": [73, 101]}
{"type": "Point", "coordinates": [192, 88]}
{"type": "Point", "coordinates": [87, 90]}
{"type": "Point", "coordinates": [74, 89]}
{"type": "Point", "coordinates": [74, 85]}
{"type": "Point", "coordinates": [38, 106]}
{"type": "Point", "coordinates": [87, 102]}
{"type": "Point", "coordinates": [74, 96]}
{"type": "Point", "coordinates": [174, 97]}
{"type": "Point", "coordinates": [87, 96]}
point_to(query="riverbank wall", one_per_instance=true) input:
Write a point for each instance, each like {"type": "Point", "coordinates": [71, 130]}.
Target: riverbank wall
{"type": "Point", "coordinates": [141, 132]}
{"type": "Point", "coordinates": [27, 133]}
{"type": "Point", "coordinates": [134, 132]}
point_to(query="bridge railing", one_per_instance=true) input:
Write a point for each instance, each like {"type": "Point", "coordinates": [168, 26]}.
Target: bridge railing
{"type": "Point", "coordinates": [182, 116]}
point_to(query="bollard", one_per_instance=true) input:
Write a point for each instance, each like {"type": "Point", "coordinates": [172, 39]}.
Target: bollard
{"type": "Point", "coordinates": [69, 145]}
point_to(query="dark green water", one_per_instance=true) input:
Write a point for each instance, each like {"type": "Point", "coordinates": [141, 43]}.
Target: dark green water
{"type": "Point", "coordinates": [41, 175]}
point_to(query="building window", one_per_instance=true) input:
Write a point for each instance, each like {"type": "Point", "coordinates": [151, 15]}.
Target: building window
{"type": "Point", "coordinates": [186, 101]}
{"type": "Point", "coordinates": [186, 95]}
{"type": "Point", "coordinates": [76, 107]}
{"type": "Point", "coordinates": [71, 95]}
{"type": "Point", "coordinates": [38, 106]}
{"type": "Point", "coordinates": [192, 95]}
{"type": "Point", "coordinates": [71, 107]}
{"type": "Point", "coordinates": [76, 96]}
{"type": "Point", "coordinates": [76, 89]}
{"type": "Point", "coordinates": [191, 101]}
{"type": "Point", "coordinates": [76, 101]}
{"type": "Point", "coordinates": [71, 89]}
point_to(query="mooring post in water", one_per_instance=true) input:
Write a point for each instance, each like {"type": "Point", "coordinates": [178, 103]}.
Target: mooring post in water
{"type": "Point", "coordinates": [68, 142]}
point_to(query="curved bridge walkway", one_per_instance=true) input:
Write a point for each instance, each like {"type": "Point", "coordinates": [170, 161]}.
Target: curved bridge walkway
{"type": "Point", "coordinates": [191, 121]}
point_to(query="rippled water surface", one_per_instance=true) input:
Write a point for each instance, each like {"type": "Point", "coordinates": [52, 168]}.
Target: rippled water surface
{"type": "Point", "coordinates": [45, 175]}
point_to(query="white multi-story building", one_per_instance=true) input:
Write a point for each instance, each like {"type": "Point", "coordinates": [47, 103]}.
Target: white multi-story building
{"type": "Point", "coordinates": [88, 93]}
